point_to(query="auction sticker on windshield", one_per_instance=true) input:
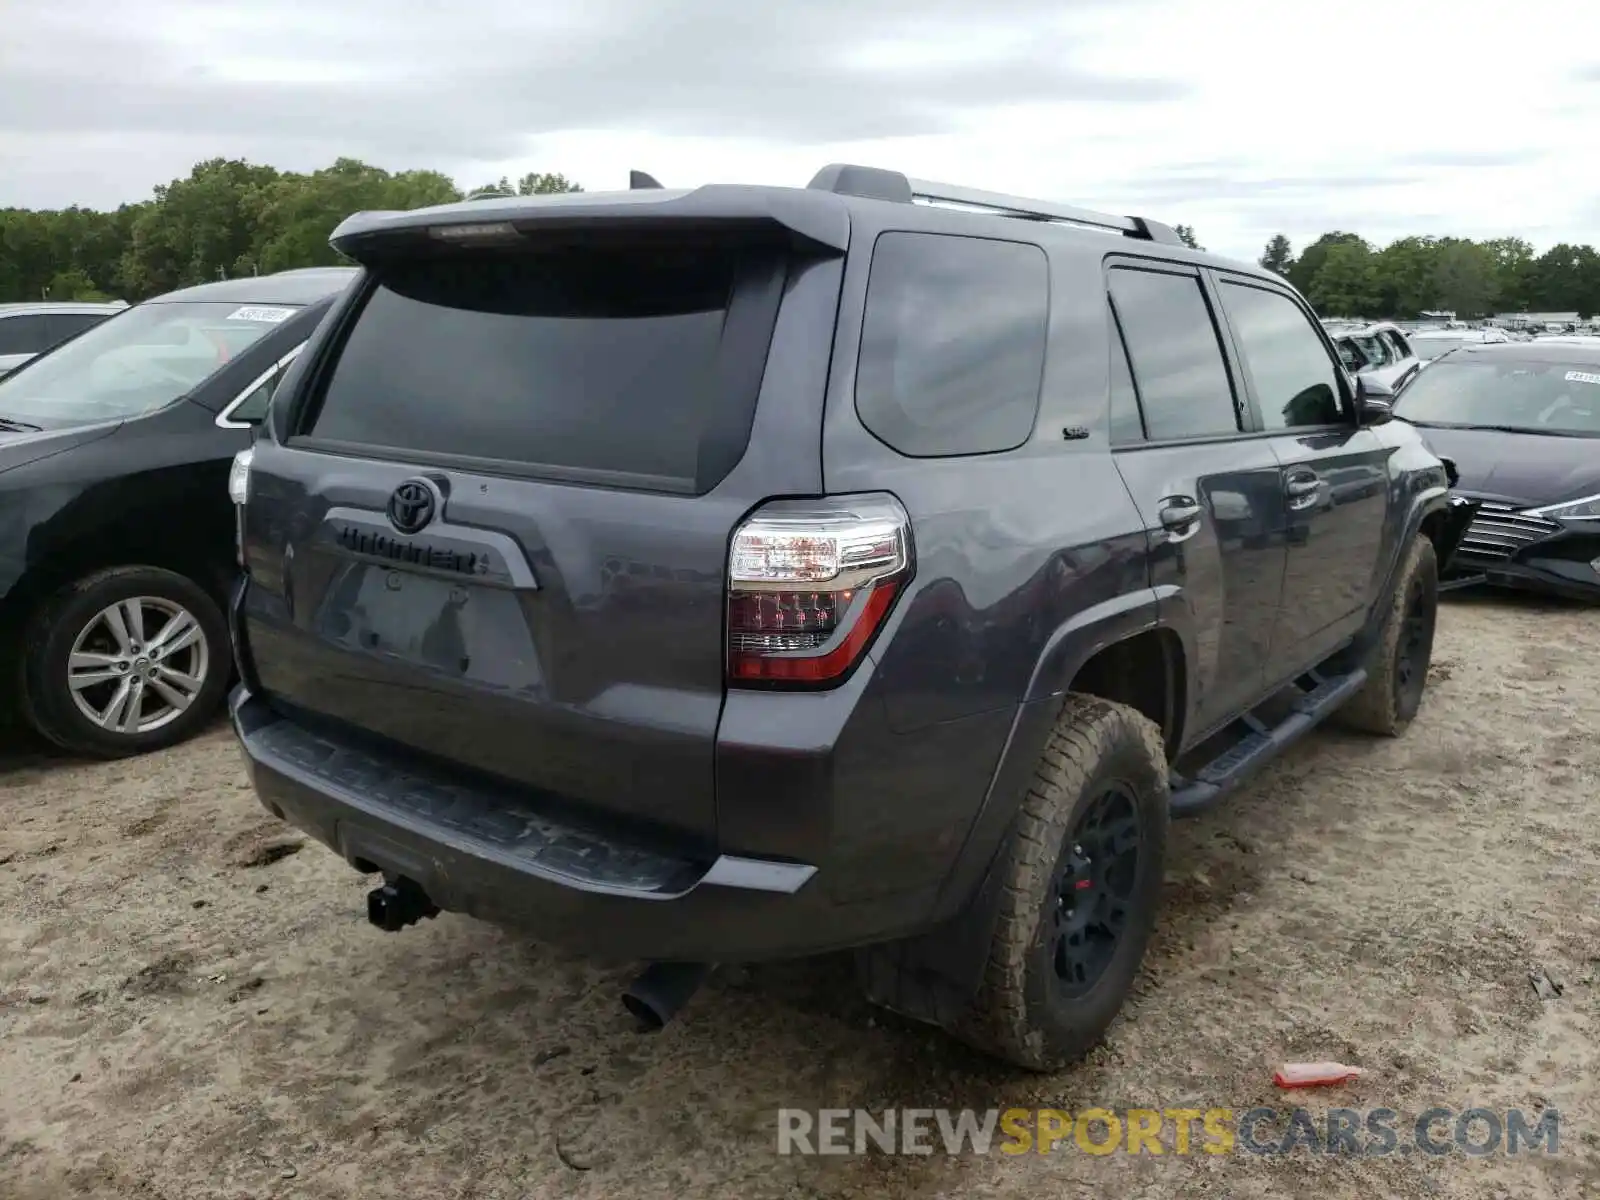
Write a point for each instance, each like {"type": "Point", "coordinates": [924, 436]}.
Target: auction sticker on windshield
{"type": "Point", "coordinates": [266, 316]}
{"type": "Point", "coordinates": [1582, 377]}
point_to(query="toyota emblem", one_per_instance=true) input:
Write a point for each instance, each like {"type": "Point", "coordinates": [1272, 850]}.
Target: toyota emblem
{"type": "Point", "coordinates": [412, 506]}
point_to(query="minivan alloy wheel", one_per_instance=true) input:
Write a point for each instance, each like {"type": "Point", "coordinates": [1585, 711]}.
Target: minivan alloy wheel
{"type": "Point", "coordinates": [138, 664]}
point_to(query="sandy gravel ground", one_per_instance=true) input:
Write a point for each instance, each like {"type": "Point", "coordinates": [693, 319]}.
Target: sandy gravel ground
{"type": "Point", "coordinates": [192, 1006]}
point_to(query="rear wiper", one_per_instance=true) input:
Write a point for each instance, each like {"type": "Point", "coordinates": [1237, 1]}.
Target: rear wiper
{"type": "Point", "coordinates": [10, 426]}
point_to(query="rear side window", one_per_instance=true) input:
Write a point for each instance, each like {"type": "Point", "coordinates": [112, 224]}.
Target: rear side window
{"type": "Point", "coordinates": [65, 325]}
{"type": "Point", "coordinates": [625, 364]}
{"type": "Point", "coordinates": [953, 343]}
{"type": "Point", "coordinates": [1397, 343]}
{"type": "Point", "coordinates": [1178, 369]}
{"type": "Point", "coordinates": [1351, 355]}
{"type": "Point", "coordinates": [27, 334]}
{"type": "Point", "coordinates": [1376, 350]}
{"type": "Point", "coordinates": [1295, 381]}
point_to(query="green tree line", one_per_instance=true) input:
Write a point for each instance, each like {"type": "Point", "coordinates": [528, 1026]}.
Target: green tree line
{"type": "Point", "coordinates": [228, 218]}
{"type": "Point", "coordinates": [1344, 275]}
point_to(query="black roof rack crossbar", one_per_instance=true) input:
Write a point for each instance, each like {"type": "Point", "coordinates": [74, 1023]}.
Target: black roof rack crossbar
{"type": "Point", "coordinates": [875, 183]}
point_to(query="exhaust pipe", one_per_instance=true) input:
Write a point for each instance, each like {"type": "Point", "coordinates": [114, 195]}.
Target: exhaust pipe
{"type": "Point", "coordinates": [395, 905]}
{"type": "Point", "coordinates": [660, 990]}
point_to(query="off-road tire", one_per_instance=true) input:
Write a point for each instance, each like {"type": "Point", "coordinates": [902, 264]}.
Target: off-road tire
{"type": "Point", "coordinates": [46, 700]}
{"type": "Point", "coordinates": [1397, 673]}
{"type": "Point", "coordinates": [1017, 1014]}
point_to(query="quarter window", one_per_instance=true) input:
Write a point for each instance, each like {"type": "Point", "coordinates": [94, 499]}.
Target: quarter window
{"type": "Point", "coordinates": [253, 408]}
{"type": "Point", "coordinates": [952, 343]}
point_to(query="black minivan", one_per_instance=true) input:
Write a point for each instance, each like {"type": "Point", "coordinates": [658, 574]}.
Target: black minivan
{"type": "Point", "coordinates": [116, 533]}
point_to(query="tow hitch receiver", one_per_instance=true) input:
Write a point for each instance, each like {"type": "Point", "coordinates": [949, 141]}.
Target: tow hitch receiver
{"type": "Point", "coordinates": [397, 904]}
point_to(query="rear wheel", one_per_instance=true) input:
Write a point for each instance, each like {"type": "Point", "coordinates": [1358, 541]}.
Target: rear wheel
{"type": "Point", "coordinates": [1082, 886]}
{"type": "Point", "coordinates": [124, 661]}
{"type": "Point", "coordinates": [1397, 672]}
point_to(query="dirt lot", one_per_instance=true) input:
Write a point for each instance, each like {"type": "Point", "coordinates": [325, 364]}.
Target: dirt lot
{"type": "Point", "coordinates": [192, 1005]}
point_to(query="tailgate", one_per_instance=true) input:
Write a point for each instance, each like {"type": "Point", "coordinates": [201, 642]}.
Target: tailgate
{"type": "Point", "coordinates": [497, 530]}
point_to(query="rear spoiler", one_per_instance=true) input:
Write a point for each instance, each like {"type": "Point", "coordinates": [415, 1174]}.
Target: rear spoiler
{"type": "Point", "coordinates": [808, 219]}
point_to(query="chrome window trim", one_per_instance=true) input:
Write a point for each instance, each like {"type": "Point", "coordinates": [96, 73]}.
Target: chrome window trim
{"type": "Point", "coordinates": [224, 418]}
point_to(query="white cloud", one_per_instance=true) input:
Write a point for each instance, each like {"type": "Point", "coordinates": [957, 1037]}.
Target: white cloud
{"type": "Point", "coordinates": [1441, 117]}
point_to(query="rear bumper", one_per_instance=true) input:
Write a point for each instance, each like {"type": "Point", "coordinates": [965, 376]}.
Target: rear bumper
{"type": "Point", "coordinates": [491, 855]}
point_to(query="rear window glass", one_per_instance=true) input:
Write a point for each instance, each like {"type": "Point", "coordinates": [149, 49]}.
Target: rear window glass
{"type": "Point", "coordinates": [603, 361]}
{"type": "Point", "coordinates": [953, 343]}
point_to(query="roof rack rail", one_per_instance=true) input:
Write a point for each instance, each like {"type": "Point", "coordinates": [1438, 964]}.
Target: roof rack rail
{"type": "Point", "coordinates": [875, 183]}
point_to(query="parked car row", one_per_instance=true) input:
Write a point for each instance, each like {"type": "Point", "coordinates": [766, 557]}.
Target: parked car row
{"type": "Point", "coordinates": [1380, 349]}
{"type": "Point", "coordinates": [747, 572]}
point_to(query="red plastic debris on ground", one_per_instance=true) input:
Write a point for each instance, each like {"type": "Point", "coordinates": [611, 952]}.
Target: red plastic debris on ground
{"type": "Point", "coordinates": [1319, 1074]}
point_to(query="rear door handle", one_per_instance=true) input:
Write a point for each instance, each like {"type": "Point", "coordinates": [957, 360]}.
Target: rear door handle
{"type": "Point", "coordinates": [1301, 486]}
{"type": "Point", "coordinates": [1180, 517]}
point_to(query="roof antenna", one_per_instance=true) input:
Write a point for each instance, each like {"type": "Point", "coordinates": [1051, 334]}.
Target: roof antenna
{"type": "Point", "coordinates": [638, 180]}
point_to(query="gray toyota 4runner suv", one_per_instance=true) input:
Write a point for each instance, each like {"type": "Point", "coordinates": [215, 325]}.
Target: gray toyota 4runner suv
{"type": "Point", "coordinates": [747, 572]}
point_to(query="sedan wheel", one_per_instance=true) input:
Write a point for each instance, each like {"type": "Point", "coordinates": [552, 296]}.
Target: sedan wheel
{"type": "Point", "coordinates": [138, 664]}
{"type": "Point", "coordinates": [125, 660]}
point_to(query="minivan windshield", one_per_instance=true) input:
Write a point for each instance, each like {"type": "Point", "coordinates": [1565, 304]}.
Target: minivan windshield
{"type": "Point", "coordinates": [138, 361]}
{"type": "Point", "coordinates": [1536, 397]}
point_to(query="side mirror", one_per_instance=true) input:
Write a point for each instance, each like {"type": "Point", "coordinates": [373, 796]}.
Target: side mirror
{"type": "Point", "coordinates": [1374, 400]}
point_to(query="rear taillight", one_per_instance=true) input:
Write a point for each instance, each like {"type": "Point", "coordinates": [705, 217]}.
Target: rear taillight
{"type": "Point", "coordinates": [809, 584]}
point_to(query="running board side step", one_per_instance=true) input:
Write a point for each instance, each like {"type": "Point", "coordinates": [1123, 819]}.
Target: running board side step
{"type": "Point", "coordinates": [1262, 743]}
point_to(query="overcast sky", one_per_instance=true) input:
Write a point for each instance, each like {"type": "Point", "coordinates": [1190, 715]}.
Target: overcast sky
{"type": "Point", "coordinates": [1426, 116]}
